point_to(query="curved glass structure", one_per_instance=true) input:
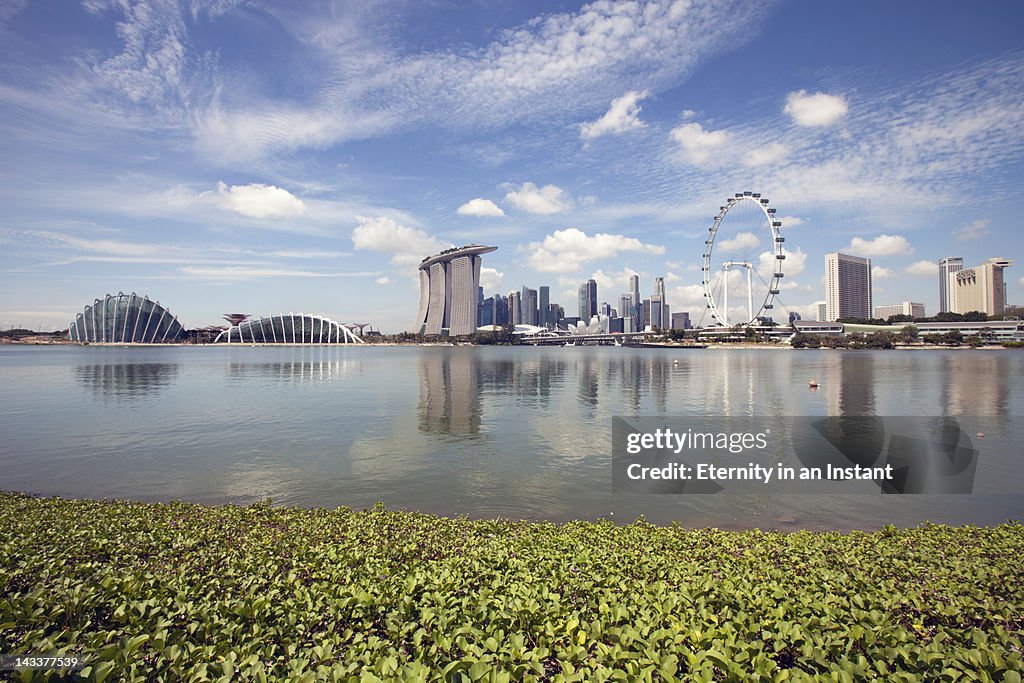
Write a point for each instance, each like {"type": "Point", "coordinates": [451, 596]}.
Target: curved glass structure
{"type": "Point", "coordinates": [289, 328]}
{"type": "Point", "coordinates": [125, 319]}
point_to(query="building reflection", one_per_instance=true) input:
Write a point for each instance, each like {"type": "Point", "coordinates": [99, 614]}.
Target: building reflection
{"type": "Point", "coordinates": [854, 392]}
{"type": "Point", "coordinates": [306, 365]}
{"type": "Point", "coordinates": [975, 383]}
{"type": "Point", "coordinates": [449, 392]}
{"type": "Point", "coordinates": [123, 381]}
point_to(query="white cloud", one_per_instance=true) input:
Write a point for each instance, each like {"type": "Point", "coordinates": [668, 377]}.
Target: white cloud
{"type": "Point", "coordinates": [688, 296]}
{"type": "Point", "coordinates": [672, 277]}
{"type": "Point", "coordinates": [793, 265]}
{"type": "Point", "coordinates": [698, 144]}
{"type": "Point", "coordinates": [490, 279]}
{"type": "Point", "coordinates": [407, 246]}
{"type": "Point", "coordinates": [790, 221]}
{"type": "Point", "coordinates": [480, 207]}
{"type": "Point", "coordinates": [622, 116]}
{"type": "Point", "coordinates": [741, 242]}
{"type": "Point", "coordinates": [385, 280]}
{"type": "Point", "coordinates": [259, 201]}
{"type": "Point", "coordinates": [567, 250]}
{"type": "Point", "coordinates": [923, 269]}
{"type": "Point", "coordinates": [769, 154]}
{"type": "Point", "coordinates": [883, 245]}
{"type": "Point", "coordinates": [973, 230]}
{"type": "Point", "coordinates": [542, 200]}
{"type": "Point", "coordinates": [817, 109]}
{"type": "Point", "coordinates": [881, 272]}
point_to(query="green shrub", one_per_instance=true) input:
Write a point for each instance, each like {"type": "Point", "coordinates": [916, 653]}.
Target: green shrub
{"type": "Point", "coordinates": [187, 592]}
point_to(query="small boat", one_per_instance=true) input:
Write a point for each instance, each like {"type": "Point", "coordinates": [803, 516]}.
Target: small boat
{"type": "Point", "coordinates": [569, 344]}
{"type": "Point", "coordinates": [813, 384]}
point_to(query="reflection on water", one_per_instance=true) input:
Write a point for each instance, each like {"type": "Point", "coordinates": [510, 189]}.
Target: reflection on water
{"type": "Point", "coordinates": [126, 381]}
{"type": "Point", "coordinates": [521, 432]}
{"type": "Point", "coordinates": [450, 393]}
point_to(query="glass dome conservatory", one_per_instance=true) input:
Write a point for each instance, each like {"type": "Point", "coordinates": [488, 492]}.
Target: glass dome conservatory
{"type": "Point", "coordinates": [125, 319]}
{"type": "Point", "coordinates": [289, 328]}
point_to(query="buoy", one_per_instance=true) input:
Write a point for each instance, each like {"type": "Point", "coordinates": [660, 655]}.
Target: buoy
{"type": "Point", "coordinates": [981, 435]}
{"type": "Point", "coordinates": [813, 384]}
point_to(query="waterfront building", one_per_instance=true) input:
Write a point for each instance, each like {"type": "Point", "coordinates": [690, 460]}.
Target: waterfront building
{"type": "Point", "coordinates": [947, 266]}
{"type": "Point", "coordinates": [616, 324]}
{"type": "Point", "coordinates": [515, 308]}
{"type": "Point", "coordinates": [555, 315]}
{"type": "Point", "coordinates": [821, 308]}
{"type": "Point", "coordinates": [529, 304]}
{"type": "Point", "coordinates": [449, 291]}
{"type": "Point", "coordinates": [914, 310]}
{"type": "Point", "coordinates": [544, 306]}
{"type": "Point", "coordinates": [681, 321]}
{"type": "Point", "coordinates": [847, 286]}
{"type": "Point", "coordinates": [993, 330]}
{"type": "Point", "coordinates": [290, 328]}
{"type": "Point", "coordinates": [588, 299]}
{"type": "Point", "coordinates": [501, 310]}
{"type": "Point", "coordinates": [634, 288]}
{"type": "Point", "coordinates": [487, 311]}
{"type": "Point", "coordinates": [980, 288]}
{"type": "Point", "coordinates": [793, 317]}
{"type": "Point", "coordinates": [125, 319]}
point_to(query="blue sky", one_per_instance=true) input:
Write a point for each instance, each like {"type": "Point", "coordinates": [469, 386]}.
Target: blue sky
{"type": "Point", "coordinates": [263, 157]}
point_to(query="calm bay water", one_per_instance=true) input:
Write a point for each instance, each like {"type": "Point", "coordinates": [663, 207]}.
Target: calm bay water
{"type": "Point", "coordinates": [509, 431]}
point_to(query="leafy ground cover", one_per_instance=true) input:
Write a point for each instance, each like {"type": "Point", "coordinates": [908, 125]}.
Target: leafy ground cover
{"type": "Point", "coordinates": [188, 592]}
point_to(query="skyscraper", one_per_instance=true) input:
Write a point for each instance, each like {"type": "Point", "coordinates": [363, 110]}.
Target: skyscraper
{"type": "Point", "coordinates": [947, 266]}
{"type": "Point", "coordinates": [515, 308]}
{"type": "Point", "coordinates": [529, 306]}
{"type": "Point", "coordinates": [847, 286]}
{"type": "Point", "coordinates": [634, 288]}
{"type": "Point", "coordinates": [449, 291]}
{"type": "Point", "coordinates": [543, 306]}
{"type": "Point", "coordinates": [980, 288]}
{"type": "Point", "coordinates": [588, 300]}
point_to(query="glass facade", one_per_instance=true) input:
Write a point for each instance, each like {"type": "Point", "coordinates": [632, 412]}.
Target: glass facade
{"type": "Point", "coordinates": [125, 319]}
{"type": "Point", "coordinates": [289, 328]}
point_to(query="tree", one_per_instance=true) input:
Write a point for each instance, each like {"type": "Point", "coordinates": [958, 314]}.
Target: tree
{"type": "Point", "coordinates": [953, 338]}
{"type": "Point", "coordinates": [802, 340]}
{"type": "Point", "coordinates": [909, 333]}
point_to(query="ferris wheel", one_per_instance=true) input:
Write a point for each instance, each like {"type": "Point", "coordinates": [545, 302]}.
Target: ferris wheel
{"type": "Point", "coordinates": [744, 244]}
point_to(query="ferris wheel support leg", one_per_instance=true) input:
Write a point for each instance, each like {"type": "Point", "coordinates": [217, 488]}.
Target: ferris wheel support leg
{"type": "Point", "coordinates": [750, 294]}
{"type": "Point", "coordinates": [725, 297]}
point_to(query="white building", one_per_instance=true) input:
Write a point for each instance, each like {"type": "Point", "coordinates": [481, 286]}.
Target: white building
{"type": "Point", "coordinates": [947, 266]}
{"type": "Point", "coordinates": [980, 288]}
{"type": "Point", "coordinates": [914, 310]}
{"type": "Point", "coordinates": [847, 286]}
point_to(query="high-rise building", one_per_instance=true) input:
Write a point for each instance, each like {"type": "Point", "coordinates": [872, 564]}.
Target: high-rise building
{"type": "Point", "coordinates": [822, 310]}
{"type": "Point", "coordinates": [914, 310]}
{"type": "Point", "coordinates": [588, 300]}
{"type": "Point", "coordinates": [634, 289]}
{"type": "Point", "coordinates": [980, 288]}
{"type": "Point", "coordinates": [529, 306]}
{"type": "Point", "coordinates": [793, 317]}
{"type": "Point", "coordinates": [486, 316]}
{"type": "Point", "coordinates": [449, 291]}
{"type": "Point", "coordinates": [645, 314]}
{"type": "Point", "coordinates": [515, 308]}
{"type": "Point", "coordinates": [543, 306]}
{"type": "Point", "coordinates": [947, 266]}
{"type": "Point", "coordinates": [500, 310]}
{"type": "Point", "coordinates": [681, 321]}
{"type": "Point", "coordinates": [847, 286]}
{"type": "Point", "coordinates": [555, 315]}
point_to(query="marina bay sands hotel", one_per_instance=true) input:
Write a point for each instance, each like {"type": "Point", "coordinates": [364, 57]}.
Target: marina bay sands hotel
{"type": "Point", "coordinates": [448, 291]}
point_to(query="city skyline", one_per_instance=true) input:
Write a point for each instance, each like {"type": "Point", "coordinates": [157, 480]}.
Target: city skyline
{"type": "Point", "coordinates": [227, 156]}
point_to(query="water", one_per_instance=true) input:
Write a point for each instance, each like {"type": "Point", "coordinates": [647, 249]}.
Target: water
{"type": "Point", "coordinates": [501, 431]}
